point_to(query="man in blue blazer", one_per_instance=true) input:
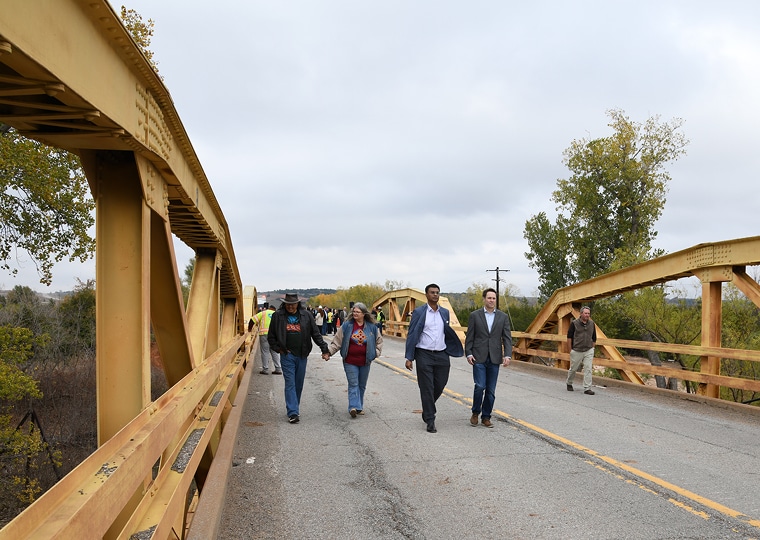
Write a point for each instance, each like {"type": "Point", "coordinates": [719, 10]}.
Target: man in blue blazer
{"type": "Point", "coordinates": [430, 341]}
{"type": "Point", "coordinates": [488, 346]}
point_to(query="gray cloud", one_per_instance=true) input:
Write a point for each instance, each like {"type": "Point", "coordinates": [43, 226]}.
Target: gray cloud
{"type": "Point", "coordinates": [414, 139]}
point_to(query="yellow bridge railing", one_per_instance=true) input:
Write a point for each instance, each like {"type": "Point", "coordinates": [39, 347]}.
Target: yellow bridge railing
{"type": "Point", "coordinates": [72, 77]}
{"type": "Point", "coordinates": [713, 263]}
{"type": "Point", "coordinates": [144, 482]}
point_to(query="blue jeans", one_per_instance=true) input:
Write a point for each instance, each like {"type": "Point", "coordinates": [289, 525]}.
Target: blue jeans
{"type": "Point", "coordinates": [485, 376]}
{"type": "Point", "coordinates": [293, 373]}
{"type": "Point", "coordinates": [357, 383]}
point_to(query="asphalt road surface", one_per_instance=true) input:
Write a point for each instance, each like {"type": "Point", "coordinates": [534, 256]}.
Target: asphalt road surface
{"type": "Point", "coordinates": [623, 463]}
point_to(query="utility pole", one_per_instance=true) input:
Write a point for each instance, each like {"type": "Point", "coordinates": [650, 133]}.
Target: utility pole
{"type": "Point", "coordinates": [497, 270]}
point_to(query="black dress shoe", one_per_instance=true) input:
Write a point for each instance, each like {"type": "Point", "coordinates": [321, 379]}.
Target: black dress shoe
{"type": "Point", "coordinates": [590, 392]}
{"type": "Point", "coordinates": [431, 428]}
{"type": "Point", "coordinates": [569, 387]}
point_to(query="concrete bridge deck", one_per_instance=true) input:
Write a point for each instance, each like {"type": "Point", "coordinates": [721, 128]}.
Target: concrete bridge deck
{"type": "Point", "coordinates": [625, 463]}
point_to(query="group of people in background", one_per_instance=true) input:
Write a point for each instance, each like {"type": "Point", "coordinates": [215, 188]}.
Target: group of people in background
{"type": "Point", "coordinates": [328, 319]}
{"type": "Point", "coordinates": [430, 342]}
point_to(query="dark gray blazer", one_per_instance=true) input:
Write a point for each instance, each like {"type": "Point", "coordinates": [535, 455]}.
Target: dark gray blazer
{"type": "Point", "coordinates": [482, 344]}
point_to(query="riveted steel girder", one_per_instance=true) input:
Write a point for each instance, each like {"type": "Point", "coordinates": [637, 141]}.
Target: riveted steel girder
{"type": "Point", "coordinates": [71, 77]}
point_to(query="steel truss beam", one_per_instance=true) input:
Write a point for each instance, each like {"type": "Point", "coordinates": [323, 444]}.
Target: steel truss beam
{"type": "Point", "coordinates": [713, 263]}
{"type": "Point", "coordinates": [72, 77]}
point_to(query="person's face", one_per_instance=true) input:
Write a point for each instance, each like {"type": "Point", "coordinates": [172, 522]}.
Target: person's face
{"type": "Point", "coordinates": [291, 308]}
{"type": "Point", "coordinates": [358, 315]}
{"type": "Point", "coordinates": [432, 295]}
{"type": "Point", "coordinates": [490, 301]}
{"type": "Point", "coordinates": [585, 314]}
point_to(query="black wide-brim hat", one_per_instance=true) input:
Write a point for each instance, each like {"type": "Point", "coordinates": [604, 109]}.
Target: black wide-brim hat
{"type": "Point", "coordinates": [291, 298]}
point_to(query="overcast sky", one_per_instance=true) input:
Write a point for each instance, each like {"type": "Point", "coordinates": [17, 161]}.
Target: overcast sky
{"type": "Point", "coordinates": [359, 141]}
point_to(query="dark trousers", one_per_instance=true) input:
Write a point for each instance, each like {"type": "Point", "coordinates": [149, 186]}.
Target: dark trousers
{"type": "Point", "coordinates": [432, 375]}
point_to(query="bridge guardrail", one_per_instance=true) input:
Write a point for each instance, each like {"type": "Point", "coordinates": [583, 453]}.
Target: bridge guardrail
{"type": "Point", "coordinates": [139, 481]}
{"type": "Point", "coordinates": [398, 329]}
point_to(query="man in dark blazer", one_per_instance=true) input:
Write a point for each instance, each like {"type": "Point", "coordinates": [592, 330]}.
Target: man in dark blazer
{"type": "Point", "coordinates": [430, 341]}
{"type": "Point", "coordinates": [488, 346]}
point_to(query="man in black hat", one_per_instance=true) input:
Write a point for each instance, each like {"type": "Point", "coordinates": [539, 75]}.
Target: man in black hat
{"type": "Point", "coordinates": [290, 333]}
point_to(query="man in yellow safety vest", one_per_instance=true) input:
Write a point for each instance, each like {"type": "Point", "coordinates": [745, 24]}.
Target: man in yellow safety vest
{"type": "Point", "coordinates": [263, 319]}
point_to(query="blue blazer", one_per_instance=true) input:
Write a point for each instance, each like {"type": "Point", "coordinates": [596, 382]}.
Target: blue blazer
{"type": "Point", "coordinates": [417, 324]}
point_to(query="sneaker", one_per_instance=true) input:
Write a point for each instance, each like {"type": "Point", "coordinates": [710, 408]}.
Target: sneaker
{"type": "Point", "coordinates": [276, 372]}
{"type": "Point", "coordinates": [570, 388]}
{"type": "Point", "coordinates": [360, 413]}
{"type": "Point", "coordinates": [293, 419]}
{"type": "Point", "coordinates": [590, 392]}
{"type": "Point", "coordinates": [353, 413]}
{"type": "Point", "coordinates": [474, 420]}
{"type": "Point", "coordinates": [264, 372]}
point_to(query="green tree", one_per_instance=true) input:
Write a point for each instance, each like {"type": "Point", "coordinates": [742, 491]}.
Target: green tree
{"type": "Point", "coordinates": [19, 448]}
{"type": "Point", "coordinates": [187, 281]}
{"type": "Point", "coordinates": [76, 322]}
{"type": "Point", "coordinates": [650, 315]}
{"type": "Point", "coordinates": [367, 294]}
{"type": "Point", "coordinates": [16, 349]}
{"type": "Point", "coordinates": [474, 296]}
{"type": "Point", "coordinates": [472, 299]}
{"type": "Point", "coordinates": [141, 31]}
{"type": "Point", "coordinates": [607, 208]}
{"type": "Point", "coordinates": [45, 205]}
{"type": "Point", "coordinates": [548, 253]}
{"type": "Point", "coordinates": [23, 308]}
{"type": "Point", "coordinates": [395, 285]}
{"type": "Point", "coordinates": [522, 312]}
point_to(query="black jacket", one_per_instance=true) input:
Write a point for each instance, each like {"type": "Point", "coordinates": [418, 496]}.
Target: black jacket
{"type": "Point", "coordinates": [277, 335]}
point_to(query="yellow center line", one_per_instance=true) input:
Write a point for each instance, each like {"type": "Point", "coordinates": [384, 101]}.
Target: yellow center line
{"type": "Point", "coordinates": [606, 459]}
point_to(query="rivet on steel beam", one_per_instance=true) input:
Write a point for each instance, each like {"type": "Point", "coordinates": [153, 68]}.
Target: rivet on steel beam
{"type": "Point", "coordinates": [53, 89]}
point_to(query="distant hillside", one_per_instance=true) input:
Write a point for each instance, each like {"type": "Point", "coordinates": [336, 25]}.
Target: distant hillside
{"type": "Point", "coordinates": [57, 296]}
{"type": "Point", "coordinates": [302, 293]}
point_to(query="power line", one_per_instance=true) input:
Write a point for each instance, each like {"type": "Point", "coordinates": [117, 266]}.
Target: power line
{"type": "Point", "coordinates": [497, 270]}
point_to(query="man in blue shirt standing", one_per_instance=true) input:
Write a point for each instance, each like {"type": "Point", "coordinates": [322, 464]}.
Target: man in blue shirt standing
{"type": "Point", "coordinates": [431, 341]}
{"type": "Point", "coordinates": [488, 345]}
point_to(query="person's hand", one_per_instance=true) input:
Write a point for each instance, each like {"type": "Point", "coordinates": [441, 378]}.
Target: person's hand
{"type": "Point", "coordinates": [471, 360]}
{"type": "Point", "coordinates": [506, 361]}
{"type": "Point", "coordinates": [408, 365]}
{"type": "Point", "coordinates": [325, 356]}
